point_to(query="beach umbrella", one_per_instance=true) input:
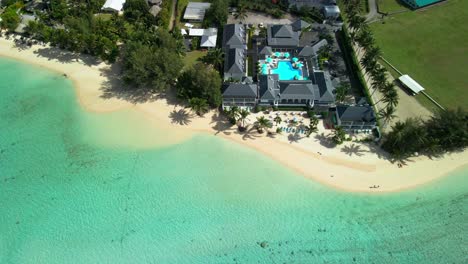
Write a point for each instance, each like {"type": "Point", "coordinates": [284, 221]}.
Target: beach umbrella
{"type": "Point", "coordinates": [295, 59]}
{"type": "Point", "coordinates": [264, 66]}
{"type": "Point", "coordinates": [299, 65]}
{"type": "Point", "coordinates": [277, 54]}
{"type": "Point", "coordinates": [286, 55]}
{"type": "Point", "coordinates": [268, 59]}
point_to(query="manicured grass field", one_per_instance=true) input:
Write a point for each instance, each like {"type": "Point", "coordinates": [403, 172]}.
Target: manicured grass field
{"type": "Point", "coordinates": [389, 6]}
{"type": "Point", "coordinates": [431, 46]}
{"type": "Point", "coordinates": [192, 57]}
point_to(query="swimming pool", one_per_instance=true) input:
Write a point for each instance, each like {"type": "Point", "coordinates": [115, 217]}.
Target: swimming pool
{"type": "Point", "coordinates": [286, 71]}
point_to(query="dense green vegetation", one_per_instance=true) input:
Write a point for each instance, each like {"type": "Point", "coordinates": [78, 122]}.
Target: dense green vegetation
{"type": "Point", "coordinates": [430, 46]}
{"type": "Point", "coordinates": [200, 81]}
{"type": "Point", "coordinates": [217, 14]}
{"type": "Point", "coordinates": [447, 131]}
{"type": "Point", "coordinates": [151, 58]}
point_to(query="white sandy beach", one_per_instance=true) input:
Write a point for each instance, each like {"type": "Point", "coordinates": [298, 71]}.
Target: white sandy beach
{"type": "Point", "coordinates": [350, 167]}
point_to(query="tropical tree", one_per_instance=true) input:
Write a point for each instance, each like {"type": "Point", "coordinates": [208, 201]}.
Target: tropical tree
{"type": "Point", "coordinates": [199, 105]}
{"type": "Point", "coordinates": [386, 114]}
{"type": "Point", "coordinates": [391, 97]}
{"type": "Point", "coordinates": [200, 81]}
{"type": "Point", "coordinates": [262, 123]}
{"type": "Point", "coordinates": [339, 135]}
{"type": "Point", "coordinates": [356, 22]}
{"type": "Point", "coordinates": [312, 128]}
{"type": "Point", "coordinates": [215, 58]}
{"type": "Point", "coordinates": [243, 114]}
{"type": "Point", "coordinates": [365, 39]}
{"type": "Point", "coordinates": [368, 62]}
{"type": "Point", "coordinates": [341, 92]}
{"type": "Point", "coordinates": [277, 120]}
{"type": "Point", "coordinates": [374, 51]}
{"type": "Point", "coordinates": [241, 12]}
{"type": "Point", "coordinates": [233, 114]}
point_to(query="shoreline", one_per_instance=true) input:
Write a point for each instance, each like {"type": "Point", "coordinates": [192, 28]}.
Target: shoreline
{"type": "Point", "coordinates": [350, 171]}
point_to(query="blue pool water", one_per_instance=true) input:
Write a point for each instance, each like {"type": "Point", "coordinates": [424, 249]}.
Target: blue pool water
{"type": "Point", "coordinates": [286, 71]}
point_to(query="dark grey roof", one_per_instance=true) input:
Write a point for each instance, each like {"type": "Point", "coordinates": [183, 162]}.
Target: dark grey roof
{"type": "Point", "coordinates": [323, 87]}
{"type": "Point", "coordinates": [296, 90]}
{"type": "Point", "coordinates": [317, 46]}
{"type": "Point", "coordinates": [234, 61]}
{"type": "Point", "coordinates": [239, 90]}
{"type": "Point", "coordinates": [355, 113]}
{"type": "Point", "coordinates": [234, 36]}
{"type": "Point", "coordinates": [299, 25]}
{"type": "Point", "coordinates": [282, 35]}
{"type": "Point", "coordinates": [268, 86]}
{"type": "Point", "coordinates": [266, 50]}
{"type": "Point", "coordinates": [361, 101]}
{"type": "Point", "coordinates": [306, 51]}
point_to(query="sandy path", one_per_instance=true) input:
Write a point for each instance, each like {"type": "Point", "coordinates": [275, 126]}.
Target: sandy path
{"type": "Point", "coordinates": [350, 167]}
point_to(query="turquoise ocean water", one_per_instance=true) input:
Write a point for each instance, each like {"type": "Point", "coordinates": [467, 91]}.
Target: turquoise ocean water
{"type": "Point", "coordinates": [64, 198]}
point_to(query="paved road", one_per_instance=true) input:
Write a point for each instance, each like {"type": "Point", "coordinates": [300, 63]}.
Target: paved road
{"type": "Point", "coordinates": [173, 14]}
{"type": "Point", "coordinates": [372, 10]}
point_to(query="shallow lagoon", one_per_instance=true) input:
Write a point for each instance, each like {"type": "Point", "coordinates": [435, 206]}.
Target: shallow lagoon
{"type": "Point", "coordinates": [66, 198]}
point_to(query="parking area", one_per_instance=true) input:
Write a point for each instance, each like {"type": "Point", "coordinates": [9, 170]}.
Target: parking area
{"type": "Point", "coordinates": [256, 18]}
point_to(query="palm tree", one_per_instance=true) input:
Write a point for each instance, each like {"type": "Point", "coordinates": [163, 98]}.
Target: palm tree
{"type": "Point", "coordinates": [391, 97]}
{"type": "Point", "coordinates": [368, 62]}
{"type": "Point", "coordinates": [233, 114]}
{"type": "Point", "coordinates": [356, 22]}
{"type": "Point", "coordinates": [374, 51]}
{"type": "Point", "coordinates": [278, 120]}
{"type": "Point", "coordinates": [387, 114]}
{"type": "Point", "coordinates": [241, 12]}
{"type": "Point", "coordinates": [215, 57]}
{"type": "Point", "coordinates": [365, 39]}
{"type": "Point", "coordinates": [243, 114]}
{"type": "Point", "coordinates": [339, 135]}
{"type": "Point", "coordinates": [312, 126]}
{"type": "Point", "coordinates": [262, 123]}
{"type": "Point", "coordinates": [341, 92]}
{"type": "Point", "coordinates": [198, 105]}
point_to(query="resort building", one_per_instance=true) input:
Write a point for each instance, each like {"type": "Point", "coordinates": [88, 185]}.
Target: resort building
{"type": "Point", "coordinates": [356, 118]}
{"type": "Point", "coordinates": [287, 74]}
{"type": "Point", "coordinates": [235, 49]}
{"type": "Point", "coordinates": [282, 37]}
{"type": "Point", "coordinates": [243, 95]}
{"type": "Point", "coordinates": [415, 4]}
{"type": "Point", "coordinates": [195, 11]}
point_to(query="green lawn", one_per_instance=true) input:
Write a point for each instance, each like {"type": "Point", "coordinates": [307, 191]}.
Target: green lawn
{"type": "Point", "coordinates": [389, 6]}
{"type": "Point", "coordinates": [431, 46]}
{"type": "Point", "coordinates": [192, 57]}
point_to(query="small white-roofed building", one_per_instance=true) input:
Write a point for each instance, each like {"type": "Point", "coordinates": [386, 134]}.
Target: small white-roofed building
{"type": "Point", "coordinates": [195, 11]}
{"type": "Point", "coordinates": [411, 84]}
{"type": "Point", "coordinates": [208, 41]}
{"type": "Point", "coordinates": [208, 36]}
{"type": "Point", "coordinates": [113, 5]}
{"type": "Point", "coordinates": [331, 11]}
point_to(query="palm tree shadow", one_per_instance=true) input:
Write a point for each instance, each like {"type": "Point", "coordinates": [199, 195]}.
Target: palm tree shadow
{"type": "Point", "coordinates": [294, 138]}
{"type": "Point", "coordinates": [353, 150]}
{"type": "Point", "coordinates": [181, 117]}
{"type": "Point", "coordinates": [221, 124]}
{"type": "Point", "coordinates": [249, 133]}
{"type": "Point", "coordinates": [325, 141]}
